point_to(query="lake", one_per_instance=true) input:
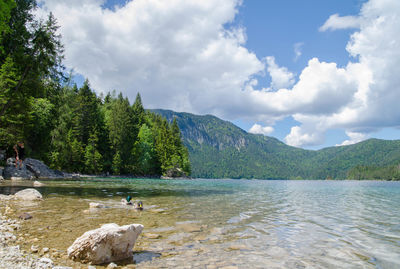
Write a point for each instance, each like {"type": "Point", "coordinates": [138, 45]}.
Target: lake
{"type": "Point", "coordinates": [218, 223]}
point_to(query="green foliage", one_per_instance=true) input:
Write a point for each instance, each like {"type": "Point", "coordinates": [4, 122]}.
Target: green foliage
{"type": "Point", "coordinates": [30, 56]}
{"type": "Point", "coordinates": [362, 172]}
{"type": "Point", "coordinates": [147, 162]}
{"type": "Point", "coordinates": [93, 158]}
{"type": "Point", "coordinates": [42, 123]}
{"type": "Point", "coordinates": [6, 6]}
{"type": "Point", "coordinates": [121, 132]}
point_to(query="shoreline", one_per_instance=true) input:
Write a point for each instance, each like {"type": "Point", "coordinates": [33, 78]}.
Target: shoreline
{"type": "Point", "coordinates": [11, 253]}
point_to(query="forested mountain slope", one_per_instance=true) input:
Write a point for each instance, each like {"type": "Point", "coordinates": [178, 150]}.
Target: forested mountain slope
{"type": "Point", "coordinates": [219, 149]}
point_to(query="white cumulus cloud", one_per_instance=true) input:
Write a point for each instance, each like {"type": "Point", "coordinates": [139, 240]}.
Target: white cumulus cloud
{"type": "Point", "coordinates": [354, 138]}
{"type": "Point", "coordinates": [336, 22]}
{"type": "Point", "coordinates": [258, 129]}
{"type": "Point", "coordinates": [280, 76]}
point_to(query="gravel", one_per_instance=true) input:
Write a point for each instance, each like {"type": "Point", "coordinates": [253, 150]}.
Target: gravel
{"type": "Point", "coordinates": [11, 256]}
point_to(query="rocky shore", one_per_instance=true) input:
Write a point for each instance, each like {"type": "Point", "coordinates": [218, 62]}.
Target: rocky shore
{"type": "Point", "coordinates": [31, 169]}
{"type": "Point", "coordinates": [101, 246]}
{"type": "Point", "coordinates": [11, 256]}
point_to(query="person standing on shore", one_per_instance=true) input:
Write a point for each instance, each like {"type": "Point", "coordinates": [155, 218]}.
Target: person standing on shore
{"type": "Point", "coordinates": [19, 154]}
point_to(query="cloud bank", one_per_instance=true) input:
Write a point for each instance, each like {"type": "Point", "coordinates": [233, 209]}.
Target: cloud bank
{"type": "Point", "coordinates": [180, 55]}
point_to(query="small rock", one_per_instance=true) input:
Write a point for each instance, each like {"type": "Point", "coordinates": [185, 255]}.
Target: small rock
{"type": "Point", "coordinates": [237, 247]}
{"type": "Point", "coordinates": [152, 236]}
{"type": "Point", "coordinates": [201, 237]}
{"type": "Point", "coordinates": [45, 263]}
{"type": "Point", "coordinates": [190, 227]}
{"type": "Point", "coordinates": [34, 249]}
{"type": "Point", "coordinates": [96, 205]}
{"type": "Point", "coordinates": [38, 184]}
{"type": "Point", "coordinates": [112, 266]}
{"type": "Point", "coordinates": [9, 210]}
{"type": "Point", "coordinates": [29, 195]}
{"type": "Point", "coordinates": [45, 250]}
{"type": "Point", "coordinates": [25, 216]}
{"type": "Point", "coordinates": [15, 226]}
{"type": "Point", "coordinates": [158, 210]}
{"type": "Point", "coordinates": [91, 267]}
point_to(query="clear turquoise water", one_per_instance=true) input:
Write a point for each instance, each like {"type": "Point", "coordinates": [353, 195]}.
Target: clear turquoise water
{"type": "Point", "coordinates": [243, 223]}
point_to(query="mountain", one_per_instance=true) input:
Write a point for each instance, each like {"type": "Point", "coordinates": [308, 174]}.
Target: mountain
{"type": "Point", "coordinates": [220, 149]}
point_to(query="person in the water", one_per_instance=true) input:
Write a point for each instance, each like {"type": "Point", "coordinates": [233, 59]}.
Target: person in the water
{"type": "Point", "coordinates": [19, 154]}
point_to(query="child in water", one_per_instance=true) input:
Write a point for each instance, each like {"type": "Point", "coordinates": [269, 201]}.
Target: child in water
{"type": "Point", "coordinates": [19, 154]}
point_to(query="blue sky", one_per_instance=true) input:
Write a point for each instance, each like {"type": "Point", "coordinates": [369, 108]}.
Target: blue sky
{"type": "Point", "coordinates": [275, 27]}
{"type": "Point", "coordinates": [311, 73]}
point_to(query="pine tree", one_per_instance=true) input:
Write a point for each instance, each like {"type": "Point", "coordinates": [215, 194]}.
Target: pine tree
{"type": "Point", "coordinates": [120, 125]}
{"type": "Point", "coordinates": [93, 158]}
{"type": "Point", "coordinates": [87, 113]}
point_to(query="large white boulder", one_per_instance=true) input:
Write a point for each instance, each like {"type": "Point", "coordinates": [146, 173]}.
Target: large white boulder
{"type": "Point", "coordinates": [28, 195]}
{"type": "Point", "coordinates": [106, 244]}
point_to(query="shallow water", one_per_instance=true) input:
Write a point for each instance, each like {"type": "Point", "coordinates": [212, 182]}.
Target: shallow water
{"type": "Point", "coordinates": [216, 223]}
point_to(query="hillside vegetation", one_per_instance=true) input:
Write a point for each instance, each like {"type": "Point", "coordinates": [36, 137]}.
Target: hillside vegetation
{"type": "Point", "coordinates": [219, 149]}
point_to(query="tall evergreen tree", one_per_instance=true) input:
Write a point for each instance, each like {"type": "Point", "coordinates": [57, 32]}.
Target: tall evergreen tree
{"type": "Point", "coordinates": [93, 158]}
{"type": "Point", "coordinates": [30, 52]}
{"type": "Point", "coordinates": [138, 111]}
{"type": "Point", "coordinates": [120, 125]}
{"type": "Point", "coordinates": [87, 113]}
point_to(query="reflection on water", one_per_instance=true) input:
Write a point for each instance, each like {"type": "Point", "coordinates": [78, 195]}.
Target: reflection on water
{"type": "Point", "coordinates": [216, 223]}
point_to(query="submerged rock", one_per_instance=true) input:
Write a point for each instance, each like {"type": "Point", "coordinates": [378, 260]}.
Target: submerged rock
{"type": "Point", "coordinates": [28, 195]}
{"type": "Point", "coordinates": [37, 184]}
{"type": "Point", "coordinates": [96, 205]}
{"type": "Point", "coordinates": [25, 216]}
{"type": "Point", "coordinates": [106, 244]}
{"type": "Point", "coordinates": [152, 236]}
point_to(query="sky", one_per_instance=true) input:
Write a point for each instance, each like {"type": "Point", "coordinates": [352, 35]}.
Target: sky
{"type": "Point", "coordinates": [311, 73]}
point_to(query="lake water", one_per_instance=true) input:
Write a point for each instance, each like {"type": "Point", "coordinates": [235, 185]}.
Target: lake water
{"type": "Point", "coordinates": [217, 223]}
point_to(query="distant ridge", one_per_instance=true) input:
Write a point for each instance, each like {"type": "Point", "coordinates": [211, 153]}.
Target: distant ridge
{"type": "Point", "coordinates": [220, 149]}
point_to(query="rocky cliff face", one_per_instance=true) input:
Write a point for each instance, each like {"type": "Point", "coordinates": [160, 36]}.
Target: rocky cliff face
{"type": "Point", "coordinates": [207, 130]}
